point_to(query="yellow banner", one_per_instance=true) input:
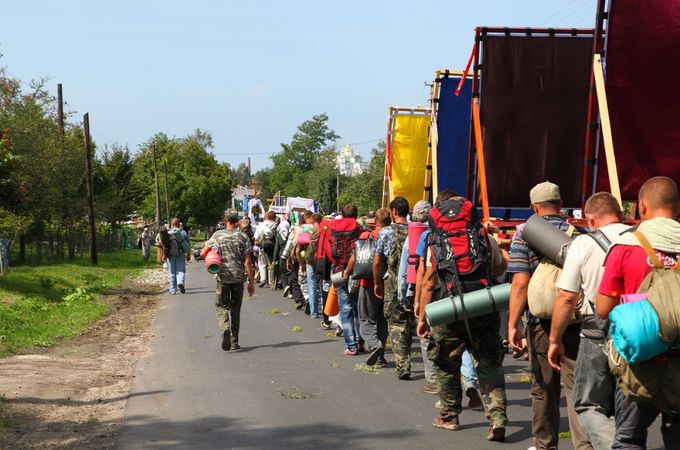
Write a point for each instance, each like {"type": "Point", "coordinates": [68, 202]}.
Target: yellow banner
{"type": "Point", "coordinates": [409, 157]}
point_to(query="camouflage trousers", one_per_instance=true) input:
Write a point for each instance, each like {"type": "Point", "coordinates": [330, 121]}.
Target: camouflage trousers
{"type": "Point", "coordinates": [401, 327]}
{"type": "Point", "coordinates": [228, 301]}
{"type": "Point", "coordinates": [446, 352]}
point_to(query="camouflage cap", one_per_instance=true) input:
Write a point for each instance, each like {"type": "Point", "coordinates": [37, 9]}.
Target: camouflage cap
{"type": "Point", "coordinates": [231, 213]}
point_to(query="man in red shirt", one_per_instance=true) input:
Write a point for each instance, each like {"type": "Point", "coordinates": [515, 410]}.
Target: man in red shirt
{"type": "Point", "coordinates": [626, 266]}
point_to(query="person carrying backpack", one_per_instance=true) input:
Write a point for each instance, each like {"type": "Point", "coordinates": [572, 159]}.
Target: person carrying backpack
{"type": "Point", "coordinates": [593, 394]}
{"type": "Point", "coordinates": [340, 246]}
{"type": "Point", "coordinates": [175, 248]}
{"type": "Point", "coordinates": [386, 262]}
{"type": "Point", "coordinates": [462, 258]}
{"type": "Point", "coordinates": [264, 238]}
{"type": "Point", "coordinates": [637, 262]}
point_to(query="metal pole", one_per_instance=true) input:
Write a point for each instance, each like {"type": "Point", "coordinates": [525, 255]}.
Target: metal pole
{"type": "Point", "coordinates": [157, 188]}
{"type": "Point", "coordinates": [90, 189]}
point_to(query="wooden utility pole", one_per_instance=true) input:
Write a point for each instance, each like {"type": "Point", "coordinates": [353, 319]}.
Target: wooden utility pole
{"type": "Point", "coordinates": [337, 192]}
{"type": "Point", "coordinates": [157, 189]}
{"type": "Point", "coordinates": [90, 189]}
{"type": "Point", "coordinates": [60, 109]}
{"type": "Point", "coordinates": [167, 195]}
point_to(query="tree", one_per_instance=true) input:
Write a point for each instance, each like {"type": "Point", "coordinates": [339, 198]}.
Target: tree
{"type": "Point", "coordinates": [241, 175]}
{"type": "Point", "coordinates": [289, 174]}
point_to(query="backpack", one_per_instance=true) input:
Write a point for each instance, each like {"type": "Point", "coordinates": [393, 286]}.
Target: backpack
{"type": "Point", "coordinates": [174, 249]}
{"type": "Point", "coordinates": [363, 256]}
{"type": "Point", "coordinates": [655, 380]}
{"type": "Point", "coordinates": [394, 257]}
{"type": "Point", "coordinates": [322, 264]}
{"type": "Point", "coordinates": [268, 243]}
{"type": "Point", "coordinates": [542, 289]}
{"type": "Point", "coordinates": [459, 245]}
{"type": "Point", "coordinates": [343, 234]}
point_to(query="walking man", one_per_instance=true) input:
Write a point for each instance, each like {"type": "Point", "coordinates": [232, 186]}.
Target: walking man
{"type": "Point", "coordinates": [145, 240]}
{"type": "Point", "coordinates": [175, 248]}
{"type": "Point", "coordinates": [234, 248]}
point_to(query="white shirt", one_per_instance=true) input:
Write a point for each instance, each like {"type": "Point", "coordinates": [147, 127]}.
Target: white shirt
{"type": "Point", "coordinates": [583, 267]}
{"type": "Point", "coordinates": [264, 230]}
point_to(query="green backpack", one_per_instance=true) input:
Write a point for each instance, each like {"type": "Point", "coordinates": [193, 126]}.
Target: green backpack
{"type": "Point", "coordinates": [658, 379]}
{"type": "Point", "coordinates": [394, 257]}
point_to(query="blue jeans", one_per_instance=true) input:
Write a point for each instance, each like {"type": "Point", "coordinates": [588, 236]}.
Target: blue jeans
{"type": "Point", "coordinates": [347, 303]}
{"type": "Point", "coordinates": [312, 290]}
{"type": "Point", "coordinates": [176, 269]}
{"type": "Point", "coordinates": [594, 387]}
{"type": "Point", "coordinates": [467, 370]}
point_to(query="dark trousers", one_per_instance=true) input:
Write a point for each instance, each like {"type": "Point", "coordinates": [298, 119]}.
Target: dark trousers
{"type": "Point", "coordinates": [372, 323]}
{"type": "Point", "coordinates": [228, 301]}
{"type": "Point", "coordinates": [634, 418]}
{"type": "Point", "coordinates": [546, 389]}
{"type": "Point", "coordinates": [294, 284]}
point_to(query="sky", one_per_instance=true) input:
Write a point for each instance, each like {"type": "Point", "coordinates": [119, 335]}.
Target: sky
{"type": "Point", "coordinates": [250, 72]}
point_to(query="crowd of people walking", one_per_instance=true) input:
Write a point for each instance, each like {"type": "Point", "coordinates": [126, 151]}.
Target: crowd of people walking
{"type": "Point", "coordinates": [366, 279]}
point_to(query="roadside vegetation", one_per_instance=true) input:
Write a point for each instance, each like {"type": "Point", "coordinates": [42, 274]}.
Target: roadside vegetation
{"type": "Point", "coordinates": [42, 303]}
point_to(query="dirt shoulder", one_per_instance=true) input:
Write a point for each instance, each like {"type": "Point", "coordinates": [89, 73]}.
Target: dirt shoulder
{"type": "Point", "coordinates": [73, 395]}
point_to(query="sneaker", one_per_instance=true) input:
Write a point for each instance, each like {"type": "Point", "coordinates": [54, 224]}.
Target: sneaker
{"type": "Point", "coordinates": [375, 355]}
{"type": "Point", "coordinates": [430, 388]}
{"type": "Point", "coordinates": [339, 332]}
{"type": "Point", "coordinates": [404, 375]}
{"type": "Point", "coordinates": [349, 352]}
{"type": "Point", "coordinates": [382, 362]}
{"type": "Point", "coordinates": [474, 401]}
{"type": "Point", "coordinates": [263, 284]}
{"type": "Point", "coordinates": [226, 340]}
{"type": "Point", "coordinates": [314, 316]}
{"type": "Point", "coordinates": [173, 293]}
{"type": "Point", "coordinates": [325, 325]}
{"type": "Point", "coordinates": [181, 288]}
{"type": "Point", "coordinates": [438, 404]}
{"type": "Point", "coordinates": [307, 310]}
{"type": "Point", "coordinates": [361, 347]}
{"type": "Point", "coordinates": [497, 433]}
{"type": "Point", "coordinates": [235, 347]}
{"type": "Point", "coordinates": [299, 306]}
{"type": "Point", "coordinates": [447, 424]}
{"type": "Point", "coordinates": [286, 291]}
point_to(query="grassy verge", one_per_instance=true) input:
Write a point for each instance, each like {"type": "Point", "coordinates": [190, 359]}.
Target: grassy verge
{"type": "Point", "coordinates": [39, 304]}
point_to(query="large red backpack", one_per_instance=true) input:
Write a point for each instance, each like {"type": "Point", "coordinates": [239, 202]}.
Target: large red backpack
{"type": "Point", "coordinates": [343, 235]}
{"type": "Point", "coordinates": [459, 245]}
{"type": "Point", "coordinates": [321, 257]}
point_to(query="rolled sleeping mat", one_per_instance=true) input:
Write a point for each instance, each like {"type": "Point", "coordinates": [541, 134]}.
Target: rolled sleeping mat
{"type": "Point", "coordinates": [546, 239]}
{"type": "Point", "coordinates": [212, 262]}
{"type": "Point", "coordinates": [415, 230]}
{"type": "Point", "coordinates": [477, 303]}
{"type": "Point", "coordinates": [634, 328]}
{"type": "Point", "coordinates": [338, 280]}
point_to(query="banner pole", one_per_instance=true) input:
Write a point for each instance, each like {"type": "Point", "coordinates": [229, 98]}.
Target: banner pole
{"type": "Point", "coordinates": [481, 168]}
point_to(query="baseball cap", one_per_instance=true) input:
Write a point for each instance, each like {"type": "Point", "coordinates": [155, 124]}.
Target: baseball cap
{"type": "Point", "coordinates": [421, 209]}
{"type": "Point", "coordinates": [544, 192]}
{"type": "Point", "coordinates": [231, 213]}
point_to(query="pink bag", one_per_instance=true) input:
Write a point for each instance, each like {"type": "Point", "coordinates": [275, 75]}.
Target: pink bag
{"type": "Point", "coordinates": [303, 239]}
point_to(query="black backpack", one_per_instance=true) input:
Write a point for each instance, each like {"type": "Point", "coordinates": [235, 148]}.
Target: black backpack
{"type": "Point", "coordinates": [363, 257]}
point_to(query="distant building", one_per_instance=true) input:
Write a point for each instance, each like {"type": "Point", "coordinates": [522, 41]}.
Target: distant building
{"type": "Point", "coordinates": [349, 163]}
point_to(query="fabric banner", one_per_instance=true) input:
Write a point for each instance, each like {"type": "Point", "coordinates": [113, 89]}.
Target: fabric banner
{"type": "Point", "coordinates": [643, 92]}
{"type": "Point", "coordinates": [453, 131]}
{"type": "Point", "coordinates": [408, 152]}
{"type": "Point", "coordinates": [534, 102]}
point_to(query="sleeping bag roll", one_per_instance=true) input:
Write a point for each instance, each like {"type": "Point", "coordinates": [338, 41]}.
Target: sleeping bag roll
{"type": "Point", "coordinates": [546, 239]}
{"type": "Point", "coordinates": [477, 303]}
{"type": "Point", "coordinates": [415, 230]}
{"type": "Point", "coordinates": [634, 328]}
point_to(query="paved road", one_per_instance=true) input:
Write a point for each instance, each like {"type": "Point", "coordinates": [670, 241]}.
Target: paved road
{"type": "Point", "coordinates": [189, 394]}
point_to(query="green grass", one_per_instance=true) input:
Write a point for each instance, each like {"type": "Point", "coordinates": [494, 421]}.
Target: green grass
{"type": "Point", "coordinates": [39, 304]}
{"type": "Point", "coordinates": [5, 422]}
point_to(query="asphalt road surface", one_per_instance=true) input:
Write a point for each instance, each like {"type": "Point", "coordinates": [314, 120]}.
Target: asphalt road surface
{"type": "Point", "coordinates": [288, 389]}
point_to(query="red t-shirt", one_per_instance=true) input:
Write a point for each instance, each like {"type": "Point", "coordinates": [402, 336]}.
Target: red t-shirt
{"type": "Point", "coordinates": [367, 282]}
{"type": "Point", "coordinates": [625, 268]}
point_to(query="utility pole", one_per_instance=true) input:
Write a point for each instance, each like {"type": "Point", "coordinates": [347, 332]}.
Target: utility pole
{"type": "Point", "coordinates": [60, 109]}
{"type": "Point", "coordinates": [167, 196]}
{"type": "Point", "coordinates": [250, 172]}
{"type": "Point", "coordinates": [155, 180]}
{"type": "Point", "coordinates": [337, 192]}
{"type": "Point", "coordinates": [90, 189]}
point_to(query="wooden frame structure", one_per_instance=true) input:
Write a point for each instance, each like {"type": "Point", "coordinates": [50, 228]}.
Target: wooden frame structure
{"type": "Point", "coordinates": [393, 112]}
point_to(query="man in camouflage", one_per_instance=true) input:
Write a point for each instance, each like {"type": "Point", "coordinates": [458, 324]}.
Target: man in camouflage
{"type": "Point", "coordinates": [451, 340]}
{"type": "Point", "coordinates": [234, 248]}
{"type": "Point", "coordinates": [386, 259]}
